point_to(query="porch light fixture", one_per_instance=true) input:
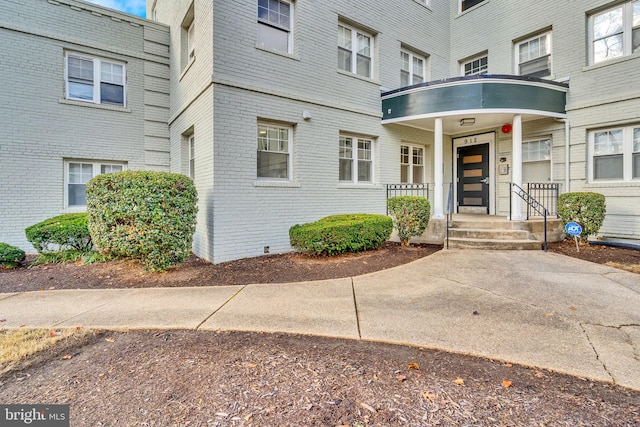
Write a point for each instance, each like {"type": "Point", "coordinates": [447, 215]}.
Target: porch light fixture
{"type": "Point", "coordinates": [469, 121]}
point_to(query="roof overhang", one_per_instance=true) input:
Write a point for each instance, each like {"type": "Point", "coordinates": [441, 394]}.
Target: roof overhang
{"type": "Point", "coordinates": [490, 100]}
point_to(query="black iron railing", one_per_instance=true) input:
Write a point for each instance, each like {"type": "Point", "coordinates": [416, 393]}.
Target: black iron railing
{"type": "Point", "coordinates": [547, 194]}
{"type": "Point", "coordinates": [532, 204]}
{"type": "Point", "coordinates": [421, 190]}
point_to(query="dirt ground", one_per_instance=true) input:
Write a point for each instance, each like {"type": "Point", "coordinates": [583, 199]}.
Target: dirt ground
{"type": "Point", "coordinates": [196, 378]}
{"type": "Point", "coordinates": [283, 268]}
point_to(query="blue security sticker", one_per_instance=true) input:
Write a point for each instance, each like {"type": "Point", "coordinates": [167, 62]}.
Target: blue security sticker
{"type": "Point", "coordinates": [573, 228]}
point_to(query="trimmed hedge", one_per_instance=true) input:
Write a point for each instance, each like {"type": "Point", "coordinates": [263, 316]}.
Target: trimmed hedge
{"type": "Point", "coordinates": [338, 234]}
{"type": "Point", "coordinates": [586, 208]}
{"type": "Point", "coordinates": [10, 256]}
{"type": "Point", "coordinates": [410, 216]}
{"type": "Point", "coordinates": [145, 215]}
{"type": "Point", "coordinates": [60, 233]}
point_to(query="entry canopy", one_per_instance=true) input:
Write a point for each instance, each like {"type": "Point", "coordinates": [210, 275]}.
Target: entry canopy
{"type": "Point", "coordinates": [489, 100]}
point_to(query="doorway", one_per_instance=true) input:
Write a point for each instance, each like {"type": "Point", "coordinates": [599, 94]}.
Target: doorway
{"type": "Point", "coordinates": [474, 181]}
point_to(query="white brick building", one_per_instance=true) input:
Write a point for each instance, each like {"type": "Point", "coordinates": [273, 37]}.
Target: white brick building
{"type": "Point", "coordinates": [287, 111]}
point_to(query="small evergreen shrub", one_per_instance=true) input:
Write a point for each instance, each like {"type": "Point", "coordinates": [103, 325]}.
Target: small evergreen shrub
{"type": "Point", "coordinates": [410, 216]}
{"type": "Point", "coordinates": [338, 234]}
{"type": "Point", "coordinates": [586, 208]}
{"type": "Point", "coordinates": [145, 215]}
{"type": "Point", "coordinates": [10, 256]}
{"type": "Point", "coordinates": [60, 233]}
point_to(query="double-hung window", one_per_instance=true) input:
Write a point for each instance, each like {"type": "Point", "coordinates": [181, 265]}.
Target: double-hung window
{"type": "Point", "coordinates": [274, 151]}
{"type": "Point", "coordinates": [192, 157]}
{"type": "Point", "coordinates": [476, 66]}
{"type": "Point", "coordinates": [615, 154]}
{"type": "Point", "coordinates": [411, 164]}
{"type": "Point", "coordinates": [615, 32]}
{"type": "Point", "coordinates": [533, 56]}
{"type": "Point", "coordinates": [536, 160]}
{"type": "Point", "coordinates": [78, 173]}
{"type": "Point", "coordinates": [275, 22]}
{"type": "Point", "coordinates": [355, 160]}
{"type": "Point", "coordinates": [413, 68]}
{"type": "Point", "coordinates": [95, 80]}
{"type": "Point", "coordinates": [355, 51]}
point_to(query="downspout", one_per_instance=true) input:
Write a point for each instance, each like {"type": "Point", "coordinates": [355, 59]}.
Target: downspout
{"type": "Point", "coordinates": [567, 163]}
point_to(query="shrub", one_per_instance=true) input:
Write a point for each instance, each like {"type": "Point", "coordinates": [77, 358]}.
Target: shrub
{"type": "Point", "coordinates": [410, 216]}
{"type": "Point", "coordinates": [60, 233]}
{"type": "Point", "coordinates": [338, 234]}
{"type": "Point", "coordinates": [586, 208]}
{"type": "Point", "coordinates": [145, 215]}
{"type": "Point", "coordinates": [10, 256]}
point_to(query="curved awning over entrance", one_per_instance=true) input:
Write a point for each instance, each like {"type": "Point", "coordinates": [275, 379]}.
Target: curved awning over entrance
{"type": "Point", "coordinates": [485, 101]}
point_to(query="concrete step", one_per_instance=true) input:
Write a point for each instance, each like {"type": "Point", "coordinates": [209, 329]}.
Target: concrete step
{"type": "Point", "coordinates": [484, 233]}
{"type": "Point", "coordinates": [495, 244]}
{"type": "Point", "coordinates": [500, 224]}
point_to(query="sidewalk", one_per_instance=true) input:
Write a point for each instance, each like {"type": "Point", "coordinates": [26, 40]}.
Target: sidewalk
{"type": "Point", "coordinates": [527, 307]}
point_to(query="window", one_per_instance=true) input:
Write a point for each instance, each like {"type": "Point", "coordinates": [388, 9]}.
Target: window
{"type": "Point", "coordinates": [274, 155]}
{"type": "Point", "coordinates": [192, 157]}
{"type": "Point", "coordinates": [77, 174]}
{"type": "Point", "coordinates": [411, 164]}
{"type": "Point", "coordinates": [355, 51]}
{"type": "Point", "coordinates": [356, 160]}
{"type": "Point", "coordinates": [536, 160]}
{"type": "Point", "coordinates": [275, 21]}
{"type": "Point", "coordinates": [476, 66]}
{"type": "Point", "coordinates": [413, 69]}
{"type": "Point", "coordinates": [615, 154]}
{"type": "Point", "coordinates": [94, 80]}
{"type": "Point", "coordinates": [467, 4]}
{"type": "Point", "coordinates": [615, 32]}
{"type": "Point", "coordinates": [533, 56]}
{"type": "Point", "coordinates": [188, 38]}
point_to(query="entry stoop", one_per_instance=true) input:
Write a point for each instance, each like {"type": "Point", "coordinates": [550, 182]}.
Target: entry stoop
{"type": "Point", "coordinates": [490, 232]}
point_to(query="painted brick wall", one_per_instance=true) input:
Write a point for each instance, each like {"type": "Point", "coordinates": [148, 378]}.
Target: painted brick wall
{"type": "Point", "coordinates": [40, 129]}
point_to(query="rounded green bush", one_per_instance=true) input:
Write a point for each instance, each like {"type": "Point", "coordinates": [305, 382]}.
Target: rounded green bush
{"type": "Point", "coordinates": [145, 215]}
{"type": "Point", "coordinates": [410, 216]}
{"type": "Point", "coordinates": [60, 233]}
{"type": "Point", "coordinates": [338, 234]}
{"type": "Point", "coordinates": [10, 256]}
{"type": "Point", "coordinates": [586, 208]}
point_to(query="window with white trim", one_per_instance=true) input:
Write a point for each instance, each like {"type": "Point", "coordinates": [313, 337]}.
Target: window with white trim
{"type": "Point", "coordinates": [94, 80]}
{"type": "Point", "coordinates": [467, 4]}
{"type": "Point", "coordinates": [615, 32]}
{"type": "Point", "coordinates": [536, 160]}
{"type": "Point", "coordinates": [476, 66]}
{"type": "Point", "coordinates": [78, 173]}
{"type": "Point", "coordinates": [355, 51]}
{"type": "Point", "coordinates": [355, 159]}
{"type": "Point", "coordinates": [192, 157]}
{"type": "Point", "coordinates": [615, 154]}
{"type": "Point", "coordinates": [411, 164]}
{"type": "Point", "coordinates": [188, 38]}
{"type": "Point", "coordinates": [413, 69]}
{"type": "Point", "coordinates": [533, 56]}
{"type": "Point", "coordinates": [275, 24]}
{"type": "Point", "coordinates": [274, 151]}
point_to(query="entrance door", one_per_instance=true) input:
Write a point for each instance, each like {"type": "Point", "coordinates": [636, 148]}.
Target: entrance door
{"type": "Point", "coordinates": [473, 179]}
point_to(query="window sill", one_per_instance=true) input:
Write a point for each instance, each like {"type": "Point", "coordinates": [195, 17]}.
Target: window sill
{"type": "Point", "coordinates": [186, 68]}
{"type": "Point", "coordinates": [278, 52]}
{"type": "Point", "coordinates": [365, 186]}
{"type": "Point", "coordinates": [613, 61]}
{"type": "Point", "coordinates": [275, 184]}
{"type": "Point", "coordinates": [471, 8]}
{"type": "Point", "coordinates": [359, 77]}
{"type": "Point", "coordinates": [74, 209]}
{"type": "Point", "coordinates": [613, 184]}
{"type": "Point", "coordinates": [92, 105]}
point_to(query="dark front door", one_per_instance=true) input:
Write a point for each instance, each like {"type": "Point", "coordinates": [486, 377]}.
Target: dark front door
{"type": "Point", "coordinates": [473, 179]}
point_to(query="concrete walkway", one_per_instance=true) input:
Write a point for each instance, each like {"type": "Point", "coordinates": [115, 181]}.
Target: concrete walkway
{"type": "Point", "coordinates": [527, 307]}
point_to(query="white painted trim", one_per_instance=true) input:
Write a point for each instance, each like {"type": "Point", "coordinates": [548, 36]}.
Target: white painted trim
{"type": "Point", "coordinates": [468, 141]}
{"type": "Point", "coordinates": [354, 51]}
{"type": "Point", "coordinates": [475, 112]}
{"type": "Point", "coordinates": [97, 78]}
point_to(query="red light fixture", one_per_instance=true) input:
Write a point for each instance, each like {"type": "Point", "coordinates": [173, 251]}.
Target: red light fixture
{"type": "Point", "coordinates": [506, 128]}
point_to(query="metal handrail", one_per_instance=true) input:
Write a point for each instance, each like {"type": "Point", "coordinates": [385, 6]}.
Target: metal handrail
{"type": "Point", "coordinates": [531, 203]}
{"type": "Point", "coordinates": [449, 209]}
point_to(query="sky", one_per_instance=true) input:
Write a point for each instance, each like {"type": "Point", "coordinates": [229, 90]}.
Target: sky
{"type": "Point", "coordinates": [135, 7]}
